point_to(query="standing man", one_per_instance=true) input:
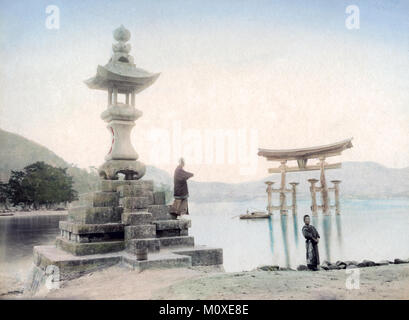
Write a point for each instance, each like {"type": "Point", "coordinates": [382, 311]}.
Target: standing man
{"type": "Point", "coordinates": [181, 192]}
{"type": "Point", "coordinates": [311, 244]}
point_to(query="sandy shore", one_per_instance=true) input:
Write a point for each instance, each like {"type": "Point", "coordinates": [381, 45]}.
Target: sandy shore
{"type": "Point", "coordinates": [383, 282]}
{"type": "Point", "coordinates": [35, 213]}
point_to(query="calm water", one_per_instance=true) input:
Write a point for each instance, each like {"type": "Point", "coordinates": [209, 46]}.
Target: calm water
{"type": "Point", "coordinates": [366, 229]}
{"type": "Point", "coordinates": [18, 235]}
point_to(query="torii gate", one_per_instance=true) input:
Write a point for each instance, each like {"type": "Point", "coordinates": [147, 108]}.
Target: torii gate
{"type": "Point", "coordinates": [302, 155]}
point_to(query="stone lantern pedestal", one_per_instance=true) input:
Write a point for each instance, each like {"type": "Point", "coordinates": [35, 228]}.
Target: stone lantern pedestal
{"type": "Point", "coordinates": [122, 157]}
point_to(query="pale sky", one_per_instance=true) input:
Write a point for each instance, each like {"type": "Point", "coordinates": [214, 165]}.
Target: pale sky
{"type": "Point", "coordinates": [285, 75]}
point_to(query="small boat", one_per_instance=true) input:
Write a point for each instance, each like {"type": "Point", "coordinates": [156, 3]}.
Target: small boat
{"type": "Point", "coordinates": [6, 214]}
{"type": "Point", "coordinates": [255, 215]}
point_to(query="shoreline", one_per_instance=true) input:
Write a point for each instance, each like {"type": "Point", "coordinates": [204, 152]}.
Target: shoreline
{"type": "Point", "coordinates": [388, 281]}
{"type": "Point", "coordinates": [379, 282]}
{"type": "Point", "coordinates": [34, 213]}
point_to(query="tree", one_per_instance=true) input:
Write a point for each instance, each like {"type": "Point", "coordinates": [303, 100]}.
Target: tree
{"type": "Point", "coordinates": [16, 191]}
{"type": "Point", "coordinates": [4, 194]}
{"type": "Point", "coordinates": [41, 184]}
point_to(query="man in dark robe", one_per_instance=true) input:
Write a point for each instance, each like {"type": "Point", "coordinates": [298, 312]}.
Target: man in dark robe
{"type": "Point", "coordinates": [180, 190]}
{"type": "Point", "coordinates": [311, 244]}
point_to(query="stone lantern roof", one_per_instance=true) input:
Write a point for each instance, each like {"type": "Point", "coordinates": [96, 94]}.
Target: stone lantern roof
{"type": "Point", "coordinates": [121, 72]}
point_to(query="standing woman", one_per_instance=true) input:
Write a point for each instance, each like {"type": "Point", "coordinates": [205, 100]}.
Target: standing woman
{"type": "Point", "coordinates": [311, 244]}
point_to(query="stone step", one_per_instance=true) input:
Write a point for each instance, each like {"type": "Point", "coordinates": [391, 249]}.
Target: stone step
{"type": "Point", "coordinates": [80, 228]}
{"type": "Point", "coordinates": [87, 196]}
{"type": "Point", "coordinates": [93, 237]}
{"type": "Point", "coordinates": [106, 199]}
{"type": "Point", "coordinates": [153, 244]}
{"type": "Point", "coordinates": [112, 185]}
{"type": "Point", "coordinates": [70, 266]}
{"type": "Point", "coordinates": [161, 212]}
{"type": "Point", "coordinates": [132, 204]}
{"type": "Point", "coordinates": [135, 218]}
{"type": "Point", "coordinates": [98, 199]}
{"type": "Point", "coordinates": [172, 228]}
{"type": "Point", "coordinates": [134, 191]}
{"type": "Point", "coordinates": [73, 266]}
{"type": "Point", "coordinates": [141, 231]}
{"type": "Point", "coordinates": [172, 224]}
{"type": "Point", "coordinates": [202, 255]}
{"type": "Point", "coordinates": [182, 241]}
{"type": "Point", "coordinates": [76, 204]}
{"type": "Point", "coordinates": [85, 233]}
{"type": "Point", "coordinates": [158, 260]}
{"type": "Point", "coordinates": [81, 249]}
{"type": "Point", "coordinates": [159, 197]}
{"type": "Point", "coordinates": [172, 233]}
{"type": "Point", "coordinates": [83, 200]}
{"type": "Point", "coordinates": [95, 215]}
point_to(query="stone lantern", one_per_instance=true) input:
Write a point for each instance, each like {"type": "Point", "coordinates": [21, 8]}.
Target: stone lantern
{"type": "Point", "coordinates": [118, 77]}
{"type": "Point", "coordinates": [125, 220]}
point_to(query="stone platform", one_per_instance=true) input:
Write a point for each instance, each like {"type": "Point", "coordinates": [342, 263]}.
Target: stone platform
{"type": "Point", "coordinates": [114, 225]}
{"type": "Point", "coordinates": [72, 266]}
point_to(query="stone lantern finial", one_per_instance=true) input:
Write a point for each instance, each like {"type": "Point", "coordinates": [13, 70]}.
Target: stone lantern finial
{"type": "Point", "coordinates": [122, 34]}
{"type": "Point", "coordinates": [121, 49]}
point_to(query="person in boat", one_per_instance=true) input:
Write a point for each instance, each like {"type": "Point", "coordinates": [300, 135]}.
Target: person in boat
{"type": "Point", "coordinates": [311, 244]}
{"type": "Point", "coordinates": [180, 190]}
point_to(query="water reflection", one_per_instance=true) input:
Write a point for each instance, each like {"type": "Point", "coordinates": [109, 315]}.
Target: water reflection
{"type": "Point", "coordinates": [270, 231]}
{"type": "Point", "coordinates": [295, 225]}
{"type": "Point", "coordinates": [284, 220]}
{"type": "Point", "coordinates": [339, 229]}
{"type": "Point", "coordinates": [327, 235]}
{"type": "Point", "coordinates": [338, 225]}
{"type": "Point", "coordinates": [314, 221]}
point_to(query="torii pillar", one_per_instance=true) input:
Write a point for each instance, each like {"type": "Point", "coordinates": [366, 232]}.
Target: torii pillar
{"type": "Point", "coordinates": [324, 188]}
{"type": "Point", "coordinates": [294, 196]}
{"type": "Point", "coordinates": [336, 193]}
{"type": "Point", "coordinates": [314, 207]}
{"type": "Point", "coordinates": [269, 191]}
{"type": "Point", "coordinates": [283, 202]}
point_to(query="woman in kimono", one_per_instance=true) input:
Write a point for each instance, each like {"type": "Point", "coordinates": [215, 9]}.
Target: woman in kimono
{"type": "Point", "coordinates": [180, 190]}
{"type": "Point", "coordinates": [311, 244]}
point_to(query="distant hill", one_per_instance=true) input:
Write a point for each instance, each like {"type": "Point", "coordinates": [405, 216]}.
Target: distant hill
{"type": "Point", "coordinates": [158, 175]}
{"type": "Point", "coordinates": [359, 179]}
{"type": "Point", "coordinates": [18, 152]}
